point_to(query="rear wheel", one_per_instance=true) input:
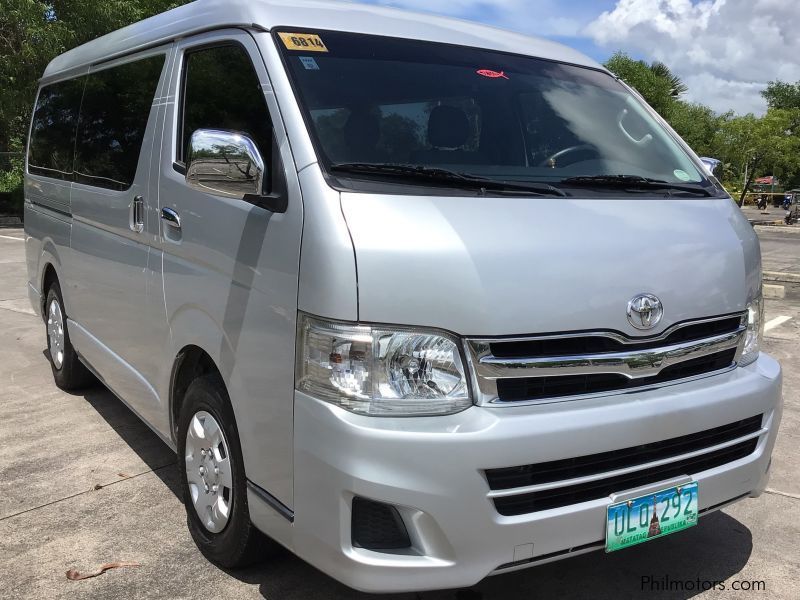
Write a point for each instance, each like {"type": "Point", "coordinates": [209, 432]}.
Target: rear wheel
{"type": "Point", "coordinates": [68, 370]}
{"type": "Point", "coordinates": [213, 478]}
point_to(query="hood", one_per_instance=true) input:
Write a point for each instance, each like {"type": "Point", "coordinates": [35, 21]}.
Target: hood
{"type": "Point", "coordinates": [482, 266]}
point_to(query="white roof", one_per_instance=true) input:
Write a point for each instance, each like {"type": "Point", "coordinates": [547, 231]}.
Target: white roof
{"type": "Point", "coordinates": [203, 15]}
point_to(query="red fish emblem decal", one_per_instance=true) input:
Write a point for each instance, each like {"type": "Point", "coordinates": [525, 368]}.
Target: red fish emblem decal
{"type": "Point", "coordinates": [492, 74]}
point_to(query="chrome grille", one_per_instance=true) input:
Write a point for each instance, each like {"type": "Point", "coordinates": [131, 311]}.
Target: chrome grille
{"type": "Point", "coordinates": [554, 368]}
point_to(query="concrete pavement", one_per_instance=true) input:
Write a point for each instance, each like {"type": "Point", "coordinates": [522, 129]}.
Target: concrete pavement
{"type": "Point", "coordinates": [770, 215]}
{"type": "Point", "coordinates": [780, 251]}
{"type": "Point", "coordinates": [83, 482]}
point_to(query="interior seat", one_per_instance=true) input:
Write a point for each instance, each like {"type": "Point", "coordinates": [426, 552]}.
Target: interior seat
{"type": "Point", "coordinates": [448, 132]}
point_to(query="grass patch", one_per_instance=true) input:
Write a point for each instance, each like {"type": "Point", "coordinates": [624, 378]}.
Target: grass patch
{"type": "Point", "coordinates": [11, 190]}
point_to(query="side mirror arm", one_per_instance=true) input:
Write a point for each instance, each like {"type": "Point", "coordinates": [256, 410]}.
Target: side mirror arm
{"type": "Point", "coordinates": [277, 203]}
{"type": "Point", "coordinates": [277, 200]}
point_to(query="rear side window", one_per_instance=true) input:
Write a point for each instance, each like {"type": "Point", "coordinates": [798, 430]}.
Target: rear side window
{"type": "Point", "coordinates": [222, 91]}
{"type": "Point", "coordinates": [52, 141]}
{"type": "Point", "coordinates": [114, 113]}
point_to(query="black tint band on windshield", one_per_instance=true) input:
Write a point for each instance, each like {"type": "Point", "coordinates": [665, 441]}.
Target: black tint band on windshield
{"type": "Point", "coordinates": [510, 117]}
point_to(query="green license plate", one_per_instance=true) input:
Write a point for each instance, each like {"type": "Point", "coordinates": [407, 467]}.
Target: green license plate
{"type": "Point", "coordinates": [648, 517]}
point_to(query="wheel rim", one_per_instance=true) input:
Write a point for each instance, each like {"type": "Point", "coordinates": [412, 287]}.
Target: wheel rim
{"type": "Point", "coordinates": [55, 333]}
{"type": "Point", "coordinates": [208, 471]}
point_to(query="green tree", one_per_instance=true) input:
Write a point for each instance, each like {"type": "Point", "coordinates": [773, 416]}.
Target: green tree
{"type": "Point", "coordinates": [29, 38]}
{"type": "Point", "coordinates": [656, 83]}
{"type": "Point", "coordinates": [762, 145]}
{"type": "Point", "coordinates": [677, 87]}
{"type": "Point", "coordinates": [31, 34]}
{"type": "Point", "coordinates": [697, 124]}
{"type": "Point", "coordinates": [751, 145]}
{"type": "Point", "coordinates": [783, 95]}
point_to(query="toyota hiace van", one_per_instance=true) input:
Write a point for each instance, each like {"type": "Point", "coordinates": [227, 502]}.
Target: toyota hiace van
{"type": "Point", "coordinates": [420, 300]}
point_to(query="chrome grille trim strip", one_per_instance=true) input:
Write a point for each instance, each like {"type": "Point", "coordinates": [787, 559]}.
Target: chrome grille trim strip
{"type": "Point", "coordinates": [637, 390]}
{"type": "Point", "coordinates": [487, 369]}
{"type": "Point", "coordinates": [635, 364]}
{"type": "Point", "coordinates": [598, 476]}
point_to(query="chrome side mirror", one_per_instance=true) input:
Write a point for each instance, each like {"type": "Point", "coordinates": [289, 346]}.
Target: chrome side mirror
{"type": "Point", "coordinates": [224, 163]}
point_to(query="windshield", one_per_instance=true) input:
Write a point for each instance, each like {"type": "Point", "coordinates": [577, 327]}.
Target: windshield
{"type": "Point", "coordinates": [372, 100]}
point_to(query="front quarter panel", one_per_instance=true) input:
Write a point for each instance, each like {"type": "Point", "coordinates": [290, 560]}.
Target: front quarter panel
{"type": "Point", "coordinates": [328, 281]}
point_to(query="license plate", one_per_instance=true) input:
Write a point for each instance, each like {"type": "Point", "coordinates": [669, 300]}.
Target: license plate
{"type": "Point", "coordinates": [652, 516]}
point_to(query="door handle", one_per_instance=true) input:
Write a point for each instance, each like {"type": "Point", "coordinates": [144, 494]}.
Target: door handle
{"type": "Point", "coordinates": [171, 217]}
{"type": "Point", "coordinates": [137, 214]}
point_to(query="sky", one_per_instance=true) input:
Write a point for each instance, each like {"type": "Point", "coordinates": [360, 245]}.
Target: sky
{"type": "Point", "coordinates": [724, 50]}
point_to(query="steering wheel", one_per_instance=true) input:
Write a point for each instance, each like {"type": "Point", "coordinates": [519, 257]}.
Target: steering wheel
{"type": "Point", "coordinates": [552, 160]}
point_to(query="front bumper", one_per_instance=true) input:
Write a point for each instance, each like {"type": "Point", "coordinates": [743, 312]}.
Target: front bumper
{"type": "Point", "coordinates": [432, 470]}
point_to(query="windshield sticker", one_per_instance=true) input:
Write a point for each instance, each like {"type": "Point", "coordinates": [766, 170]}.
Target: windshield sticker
{"type": "Point", "coordinates": [682, 175]}
{"type": "Point", "coordinates": [309, 63]}
{"type": "Point", "coordinates": [308, 42]}
{"type": "Point", "coordinates": [492, 74]}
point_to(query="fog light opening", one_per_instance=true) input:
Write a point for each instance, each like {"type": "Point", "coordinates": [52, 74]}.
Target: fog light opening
{"type": "Point", "coordinates": [378, 526]}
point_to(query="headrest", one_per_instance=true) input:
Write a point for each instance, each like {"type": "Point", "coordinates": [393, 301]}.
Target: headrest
{"type": "Point", "coordinates": [448, 127]}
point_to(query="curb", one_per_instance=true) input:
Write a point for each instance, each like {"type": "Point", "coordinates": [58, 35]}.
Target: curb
{"type": "Point", "coordinates": [11, 221]}
{"type": "Point", "coordinates": [777, 223]}
{"type": "Point", "coordinates": [782, 227]}
{"type": "Point", "coordinates": [780, 277]}
{"type": "Point", "coordinates": [774, 292]}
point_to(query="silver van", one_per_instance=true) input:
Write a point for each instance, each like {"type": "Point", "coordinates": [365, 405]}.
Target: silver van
{"type": "Point", "coordinates": [420, 300]}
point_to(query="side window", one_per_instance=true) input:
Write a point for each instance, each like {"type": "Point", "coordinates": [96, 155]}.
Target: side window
{"type": "Point", "coordinates": [221, 91]}
{"type": "Point", "coordinates": [52, 141]}
{"type": "Point", "coordinates": [114, 113]}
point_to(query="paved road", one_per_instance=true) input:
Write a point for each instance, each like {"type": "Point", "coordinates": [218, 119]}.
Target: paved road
{"type": "Point", "coordinates": [780, 248]}
{"type": "Point", "coordinates": [771, 214]}
{"type": "Point", "coordinates": [83, 482]}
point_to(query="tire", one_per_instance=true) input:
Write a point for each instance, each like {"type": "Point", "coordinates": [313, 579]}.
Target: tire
{"type": "Point", "coordinates": [228, 541]}
{"type": "Point", "coordinates": [69, 372]}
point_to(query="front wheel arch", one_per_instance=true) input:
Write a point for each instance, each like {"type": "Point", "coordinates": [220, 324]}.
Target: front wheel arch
{"type": "Point", "coordinates": [191, 363]}
{"type": "Point", "coordinates": [49, 277]}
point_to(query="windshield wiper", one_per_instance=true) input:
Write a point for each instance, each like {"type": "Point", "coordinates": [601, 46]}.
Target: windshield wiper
{"type": "Point", "coordinates": [632, 182]}
{"type": "Point", "coordinates": [435, 174]}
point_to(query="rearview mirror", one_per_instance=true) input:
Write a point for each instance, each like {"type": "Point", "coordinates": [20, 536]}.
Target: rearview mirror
{"type": "Point", "coordinates": [224, 163]}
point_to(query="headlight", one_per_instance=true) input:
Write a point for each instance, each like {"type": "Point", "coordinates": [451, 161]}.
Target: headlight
{"type": "Point", "coordinates": [755, 331]}
{"type": "Point", "coordinates": [381, 371]}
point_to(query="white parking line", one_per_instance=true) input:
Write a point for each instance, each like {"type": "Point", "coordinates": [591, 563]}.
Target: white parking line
{"type": "Point", "coordinates": [777, 321]}
{"type": "Point", "coordinates": [24, 311]}
{"type": "Point", "coordinates": [8, 237]}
